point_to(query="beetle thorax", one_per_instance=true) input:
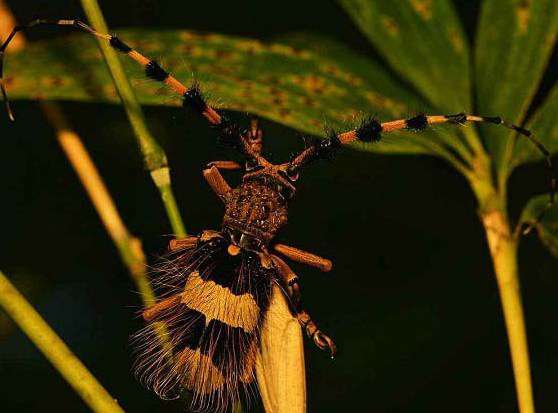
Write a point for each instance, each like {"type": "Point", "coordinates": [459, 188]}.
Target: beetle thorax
{"type": "Point", "coordinates": [255, 210]}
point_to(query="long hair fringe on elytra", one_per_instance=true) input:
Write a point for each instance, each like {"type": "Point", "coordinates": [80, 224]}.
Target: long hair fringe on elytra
{"type": "Point", "coordinates": [178, 348]}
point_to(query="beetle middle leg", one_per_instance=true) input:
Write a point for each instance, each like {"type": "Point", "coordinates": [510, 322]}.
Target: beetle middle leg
{"type": "Point", "coordinates": [290, 280]}
{"type": "Point", "coordinates": [304, 257]}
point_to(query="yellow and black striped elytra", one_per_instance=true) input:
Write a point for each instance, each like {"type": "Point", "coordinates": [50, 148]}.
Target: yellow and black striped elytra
{"type": "Point", "coordinates": [214, 290]}
{"type": "Point", "coordinates": [213, 308]}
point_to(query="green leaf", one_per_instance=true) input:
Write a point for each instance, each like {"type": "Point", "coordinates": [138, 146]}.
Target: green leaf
{"type": "Point", "coordinates": [299, 88]}
{"type": "Point", "coordinates": [547, 228]}
{"type": "Point", "coordinates": [424, 42]}
{"type": "Point", "coordinates": [514, 42]}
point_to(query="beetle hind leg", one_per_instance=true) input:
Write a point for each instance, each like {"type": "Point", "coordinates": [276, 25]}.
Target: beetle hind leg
{"type": "Point", "coordinates": [292, 290]}
{"type": "Point", "coordinates": [318, 337]}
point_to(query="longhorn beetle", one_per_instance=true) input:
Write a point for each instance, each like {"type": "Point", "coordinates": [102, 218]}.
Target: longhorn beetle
{"type": "Point", "coordinates": [214, 289]}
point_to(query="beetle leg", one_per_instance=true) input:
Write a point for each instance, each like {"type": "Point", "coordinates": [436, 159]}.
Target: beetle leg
{"type": "Point", "coordinates": [216, 181]}
{"type": "Point", "coordinates": [319, 338]}
{"type": "Point", "coordinates": [304, 257]}
{"type": "Point", "coordinates": [225, 165]}
{"type": "Point", "coordinates": [186, 242]}
{"type": "Point", "coordinates": [290, 280]}
{"type": "Point", "coordinates": [190, 241]}
{"type": "Point", "coordinates": [152, 312]}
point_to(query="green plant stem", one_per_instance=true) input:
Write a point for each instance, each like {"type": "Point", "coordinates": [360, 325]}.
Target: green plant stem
{"type": "Point", "coordinates": [154, 156]}
{"type": "Point", "coordinates": [503, 250]}
{"type": "Point", "coordinates": [55, 350]}
{"type": "Point", "coordinates": [132, 255]}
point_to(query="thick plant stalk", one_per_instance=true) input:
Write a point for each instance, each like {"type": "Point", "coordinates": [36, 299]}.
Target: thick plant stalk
{"type": "Point", "coordinates": [55, 350]}
{"type": "Point", "coordinates": [503, 249]}
{"type": "Point", "coordinates": [154, 156]}
{"type": "Point", "coordinates": [503, 243]}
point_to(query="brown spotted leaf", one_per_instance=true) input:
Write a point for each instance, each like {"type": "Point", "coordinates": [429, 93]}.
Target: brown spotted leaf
{"type": "Point", "coordinates": [296, 87]}
{"type": "Point", "coordinates": [424, 42]}
{"type": "Point", "coordinates": [514, 42]}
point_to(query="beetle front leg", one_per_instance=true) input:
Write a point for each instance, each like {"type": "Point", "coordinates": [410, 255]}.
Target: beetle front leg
{"type": "Point", "coordinates": [290, 280]}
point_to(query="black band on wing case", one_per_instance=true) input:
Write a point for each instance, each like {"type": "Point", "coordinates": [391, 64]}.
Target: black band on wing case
{"type": "Point", "coordinates": [220, 340]}
{"type": "Point", "coordinates": [189, 328]}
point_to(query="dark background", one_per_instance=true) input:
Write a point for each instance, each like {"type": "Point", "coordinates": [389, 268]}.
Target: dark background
{"type": "Point", "coordinates": [412, 301]}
